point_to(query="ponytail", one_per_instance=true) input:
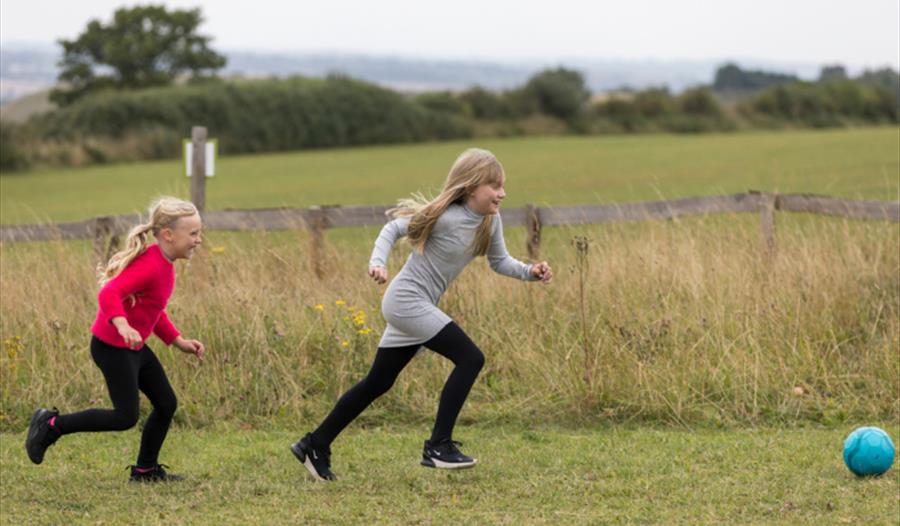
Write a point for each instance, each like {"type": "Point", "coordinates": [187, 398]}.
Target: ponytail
{"type": "Point", "coordinates": [164, 212]}
{"type": "Point", "coordinates": [134, 246]}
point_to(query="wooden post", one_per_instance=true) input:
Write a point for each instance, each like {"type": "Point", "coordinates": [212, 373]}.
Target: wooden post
{"type": "Point", "coordinates": [102, 229]}
{"type": "Point", "coordinates": [316, 224]}
{"type": "Point", "coordinates": [113, 245]}
{"type": "Point", "coordinates": [767, 206]}
{"type": "Point", "coordinates": [533, 228]}
{"type": "Point", "coordinates": [198, 168]}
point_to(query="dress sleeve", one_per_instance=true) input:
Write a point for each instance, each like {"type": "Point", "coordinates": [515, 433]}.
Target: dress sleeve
{"type": "Point", "coordinates": [389, 235]}
{"type": "Point", "coordinates": [500, 260]}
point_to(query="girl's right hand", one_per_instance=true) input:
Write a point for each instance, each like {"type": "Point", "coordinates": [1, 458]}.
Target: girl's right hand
{"type": "Point", "coordinates": [130, 335]}
{"type": "Point", "coordinates": [379, 274]}
{"type": "Point", "coordinates": [542, 271]}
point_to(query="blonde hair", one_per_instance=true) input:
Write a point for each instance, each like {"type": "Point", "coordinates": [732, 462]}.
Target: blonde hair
{"type": "Point", "coordinates": [474, 167]}
{"type": "Point", "coordinates": [164, 213]}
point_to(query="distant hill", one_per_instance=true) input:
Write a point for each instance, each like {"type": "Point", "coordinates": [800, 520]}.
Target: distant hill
{"type": "Point", "coordinates": [19, 109]}
{"type": "Point", "coordinates": [26, 69]}
{"type": "Point", "coordinates": [408, 74]}
{"type": "Point", "coordinates": [29, 68]}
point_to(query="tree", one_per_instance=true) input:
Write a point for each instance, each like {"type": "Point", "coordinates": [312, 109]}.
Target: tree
{"type": "Point", "coordinates": [699, 102]}
{"type": "Point", "coordinates": [731, 78]}
{"type": "Point", "coordinates": [885, 78]}
{"type": "Point", "coordinates": [832, 73]}
{"type": "Point", "coordinates": [143, 46]}
{"type": "Point", "coordinates": [485, 104]}
{"type": "Point", "coordinates": [13, 156]}
{"type": "Point", "coordinates": [559, 92]}
{"type": "Point", "coordinates": [653, 103]}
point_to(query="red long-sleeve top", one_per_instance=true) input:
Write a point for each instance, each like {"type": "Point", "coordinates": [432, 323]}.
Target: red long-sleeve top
{"type": "Point", "coordinates": [139, 293]}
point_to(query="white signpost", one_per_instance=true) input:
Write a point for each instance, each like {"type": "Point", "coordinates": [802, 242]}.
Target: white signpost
{"type": "Point", "coordinates": [211, 147]}
{"type": "Point", "coordinates": [199, 163]}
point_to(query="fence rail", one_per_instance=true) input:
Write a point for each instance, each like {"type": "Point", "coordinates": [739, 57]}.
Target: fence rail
{"type": "Point", "coordinates": [318, 219]}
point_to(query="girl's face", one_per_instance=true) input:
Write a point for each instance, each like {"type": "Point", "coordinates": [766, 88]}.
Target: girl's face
{"type": "Point", "coordinates": [183, 237]}
{"type": "Point", "coordinates": [485, 199]}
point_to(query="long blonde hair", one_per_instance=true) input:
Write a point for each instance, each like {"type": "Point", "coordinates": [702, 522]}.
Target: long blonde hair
{"type": "Point", "coordinates": [164, 212]}
{"type": "Point", "coordinates": [474, 167]}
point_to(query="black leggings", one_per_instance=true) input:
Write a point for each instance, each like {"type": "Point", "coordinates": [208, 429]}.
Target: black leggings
{"type": "Point", "coordinates": [451, 342]}
{"type": "Point", "coordinates": [126, 372]}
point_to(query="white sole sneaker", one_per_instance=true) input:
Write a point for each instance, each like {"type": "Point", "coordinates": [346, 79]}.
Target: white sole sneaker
{"type": "Point", "coordinates": [439, 464]}
{"type": "Point", "coordinates": [307, 463]}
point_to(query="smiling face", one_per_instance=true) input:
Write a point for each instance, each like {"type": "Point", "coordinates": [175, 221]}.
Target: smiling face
{"type": "Point", "coordinates": [485, 198]}
{"type": "Point", "coordinates": [182, 237]}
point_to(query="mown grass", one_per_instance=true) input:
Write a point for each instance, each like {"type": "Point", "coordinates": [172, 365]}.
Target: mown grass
{"type": "Point", "coordinates": [859, 163]}
{"type": "Point", "coordinates": [526, 475]}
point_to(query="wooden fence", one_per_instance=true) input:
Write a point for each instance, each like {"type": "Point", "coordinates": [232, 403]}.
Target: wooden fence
{"type": "Point", "coordinates": [106, 230]}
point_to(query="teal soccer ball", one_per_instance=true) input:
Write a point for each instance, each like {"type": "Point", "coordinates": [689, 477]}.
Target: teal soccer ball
{"type": "Point", "coordinates": [868, 451]}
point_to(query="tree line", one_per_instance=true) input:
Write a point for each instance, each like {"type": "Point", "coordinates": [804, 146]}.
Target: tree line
{"type": "Point", "coordinates": [131, 88]}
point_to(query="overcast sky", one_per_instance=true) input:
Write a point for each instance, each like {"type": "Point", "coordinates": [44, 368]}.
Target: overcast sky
{"type": "Point", "coordinates": [861, 33]}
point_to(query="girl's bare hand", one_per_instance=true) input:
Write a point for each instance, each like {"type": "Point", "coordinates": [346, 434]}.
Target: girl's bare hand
{"type": "Point", "coordinates": [542, 271]}
{"type": "Point", "coordinates": [379, 274]}
{"type": "Point", "coordinates": [190, 346]}
{"type": "Point", "coordinates": [131, 336]}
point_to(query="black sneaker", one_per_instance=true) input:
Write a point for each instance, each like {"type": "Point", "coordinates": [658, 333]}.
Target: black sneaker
{"type": "Point", "coordinates": [445, 455]}
{"type": "Point", "coordinates": [40, 434]}
{"type": "Point", "coordinates": [156, 473]}
{"type": "Point", "coordinates": [316, 460]}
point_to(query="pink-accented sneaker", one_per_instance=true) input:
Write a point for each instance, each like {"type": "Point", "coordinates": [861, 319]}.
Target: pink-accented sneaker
{"type": "Point", "coordinates": [41, 434]}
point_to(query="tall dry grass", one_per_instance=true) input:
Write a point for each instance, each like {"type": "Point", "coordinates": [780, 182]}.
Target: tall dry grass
{"type": "Point", "coordinates": [681, 322]}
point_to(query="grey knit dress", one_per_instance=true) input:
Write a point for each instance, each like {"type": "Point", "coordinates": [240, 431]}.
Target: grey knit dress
{"type": "Point", "coordinates": [410, 302]}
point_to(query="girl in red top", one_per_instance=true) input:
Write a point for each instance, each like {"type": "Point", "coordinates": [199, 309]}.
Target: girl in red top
{"type": "Point", "coordinates": [135, 287]}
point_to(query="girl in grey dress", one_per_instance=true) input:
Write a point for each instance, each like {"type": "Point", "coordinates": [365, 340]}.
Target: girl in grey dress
{"type": "Point", "coordinates": [446, 233]}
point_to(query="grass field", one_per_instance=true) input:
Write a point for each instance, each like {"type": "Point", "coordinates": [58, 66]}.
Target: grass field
{"type": "Point", "coordinates": [681, 322]}
{"type": "Point", "coordinates": [697, 383]}
{"type": "Point", "coordinates": [559, 170]}
{"type": "Point", "coordinates": [615, 475]}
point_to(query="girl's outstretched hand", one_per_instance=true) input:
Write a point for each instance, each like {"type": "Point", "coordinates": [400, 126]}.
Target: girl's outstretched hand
{"type": "Point", "coordinates": [542, 271]}
{"type": "Point", "coordinates": [128, 333]}
{"type": "Point", "coordinates": [379, 274]}
{"type": "Point", "coordinates": [190, 346]}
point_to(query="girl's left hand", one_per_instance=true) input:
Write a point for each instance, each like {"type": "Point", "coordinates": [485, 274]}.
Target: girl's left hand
{"type": "Point", "coordinates": [190, 346]}
{"type": "Point", "coordinates": [379, 274]}
{"type": "Point", "coordinates": [542, 271]}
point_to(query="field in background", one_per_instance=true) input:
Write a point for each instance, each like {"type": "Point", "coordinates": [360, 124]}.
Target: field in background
{"type": "Point", "coordinates": [559, 170]}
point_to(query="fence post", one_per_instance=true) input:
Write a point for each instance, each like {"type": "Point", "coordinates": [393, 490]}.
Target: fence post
{"type": "Point", "coordinates": [767, 204]}
{"type": "Point", "coordinates": [113, 245]}
{"type": "Point", "coordinates": [317, 223]}
{"type": "Point", "coordinates": [101, 228]}
{"type": "Point", "coordinates": [533, 229]}
{"type": "Point", "coordinates": [198, 167]}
